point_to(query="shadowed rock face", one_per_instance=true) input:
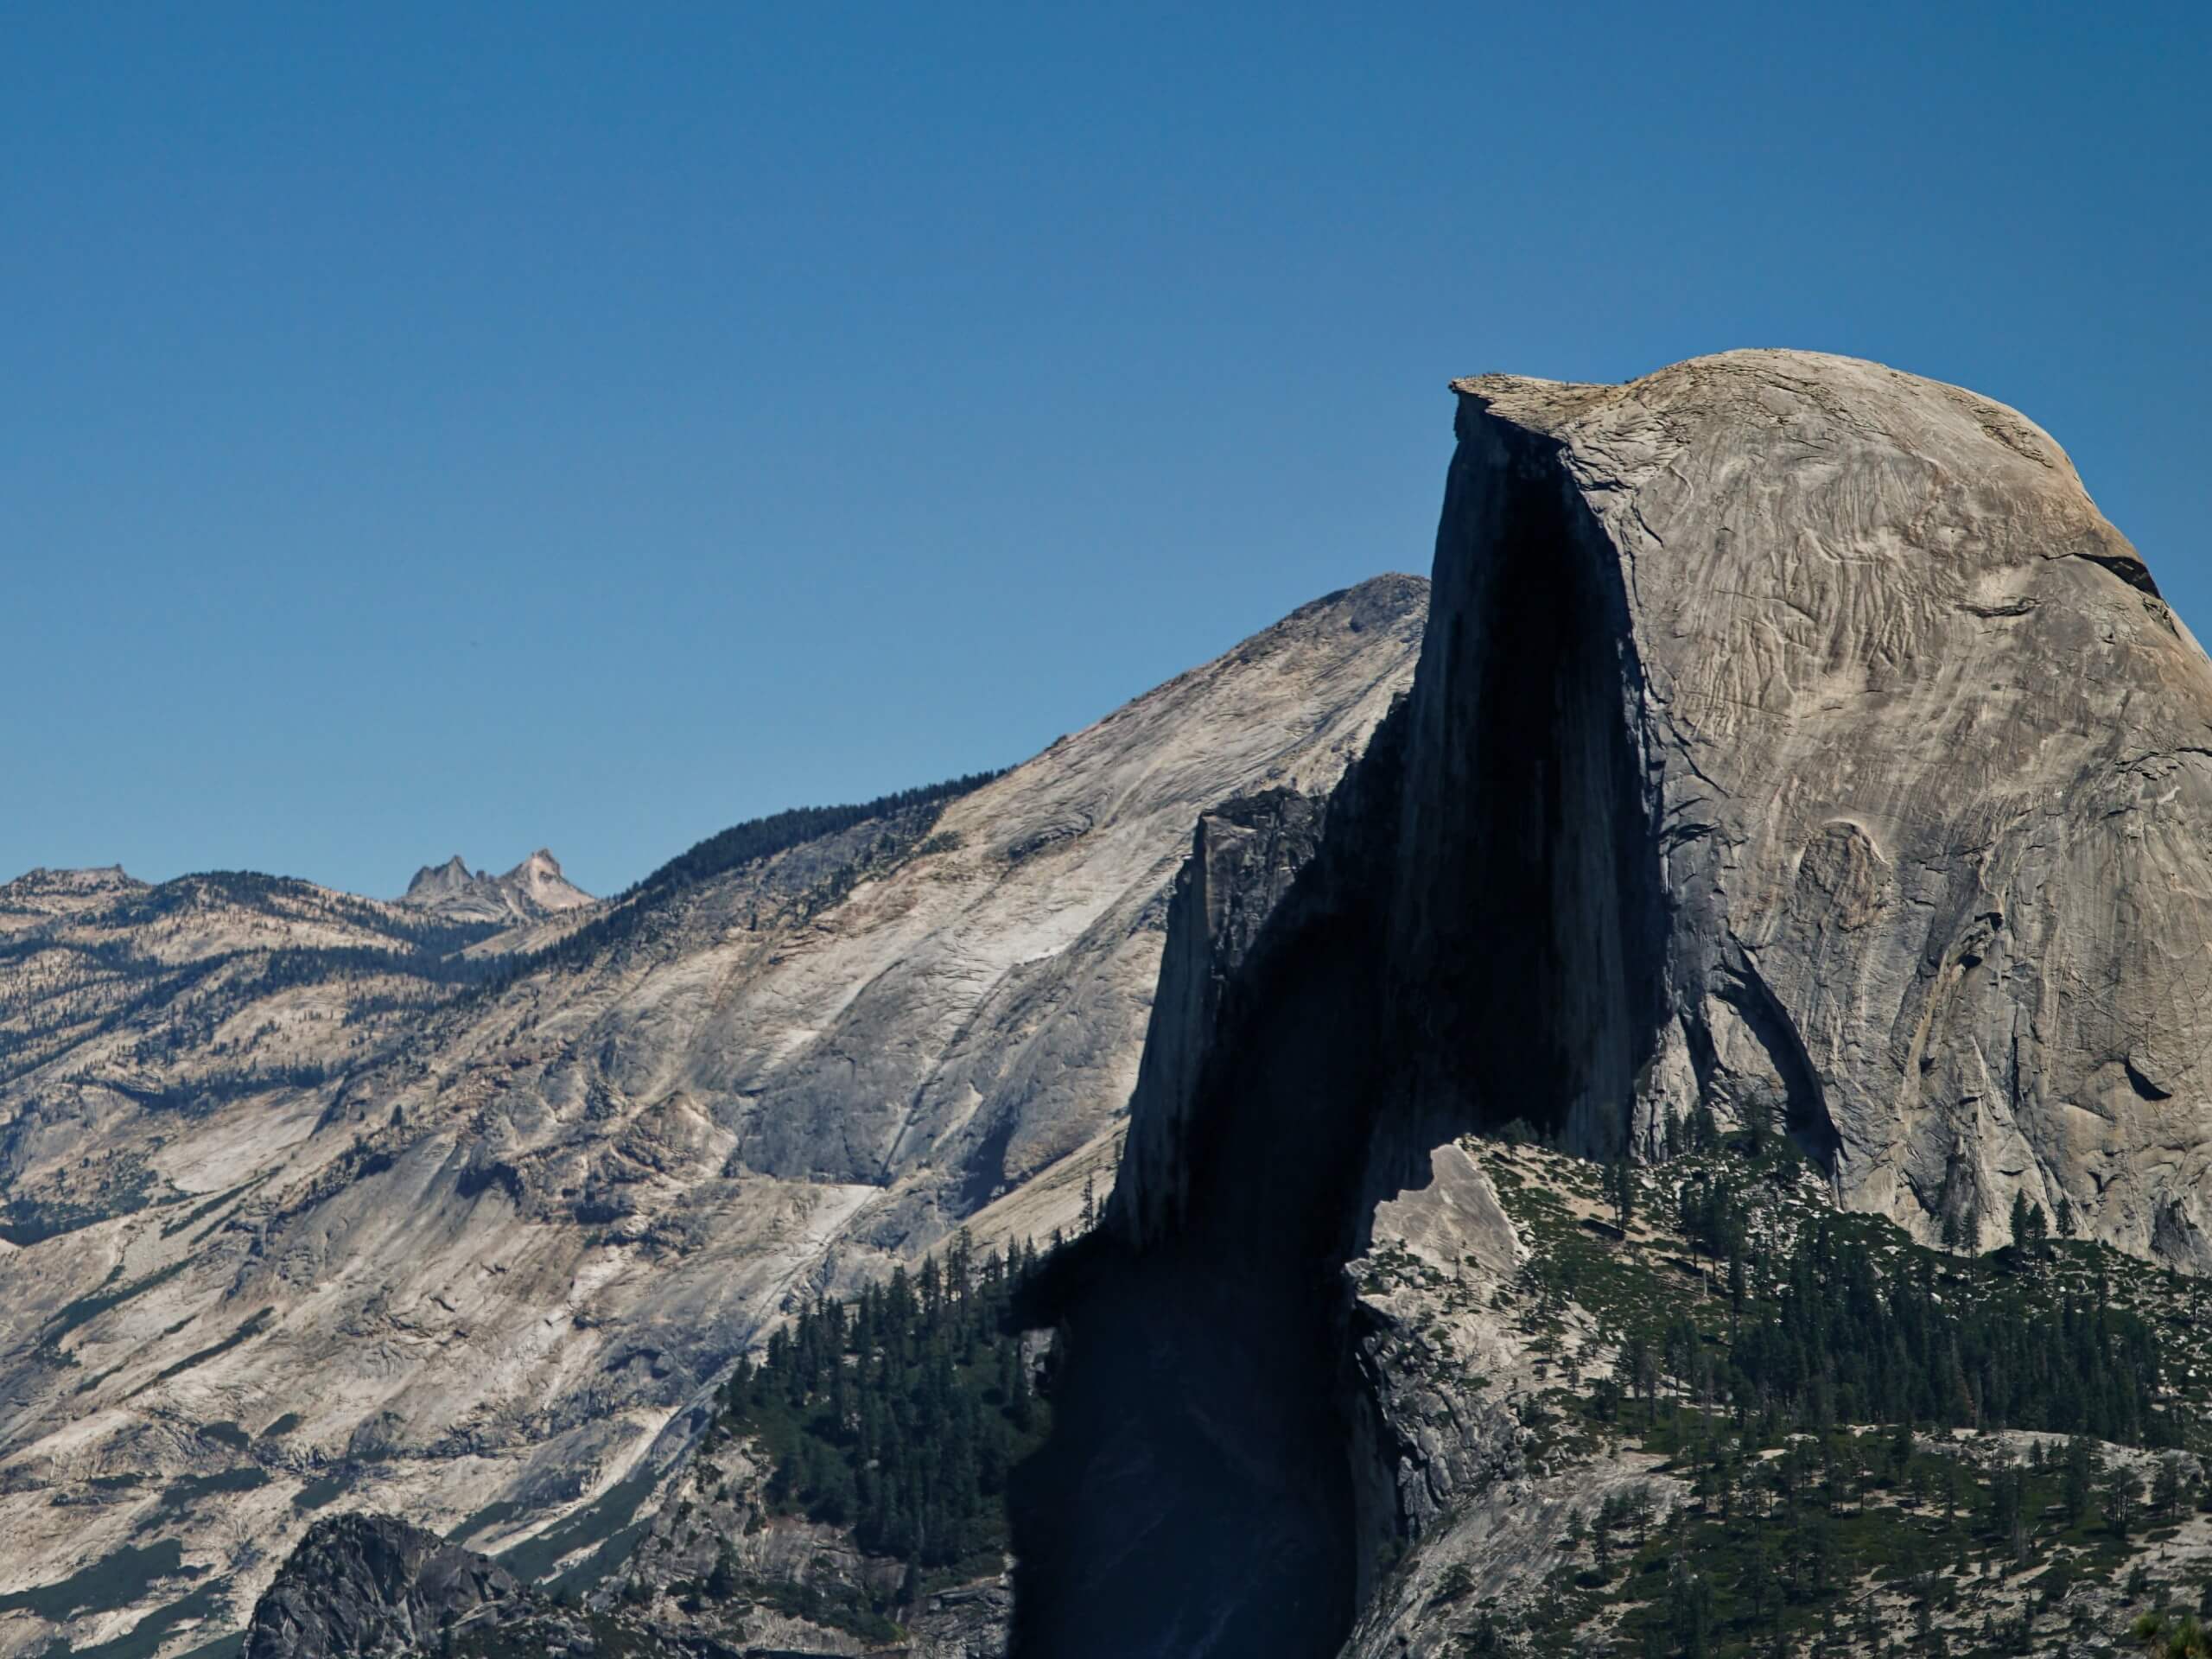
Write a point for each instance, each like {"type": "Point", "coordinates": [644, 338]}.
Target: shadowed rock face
{"type": "Point", "coordinates": [1790, 735]}
{"type": "Point", "coordinates": [368, 1584]}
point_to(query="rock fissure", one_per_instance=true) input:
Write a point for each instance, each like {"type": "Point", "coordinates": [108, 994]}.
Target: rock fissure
{"type": "Point", "coordinates": [1466, 935]}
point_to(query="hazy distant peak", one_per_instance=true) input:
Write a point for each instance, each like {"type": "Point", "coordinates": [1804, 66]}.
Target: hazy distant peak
{"type": "Point", "coordinates": [539, 876]}
{"type": "Point", "coordinates": [532, 890]}
{"type": "Point", "coordinates": [40, 895]}
{"type": "Point", "coordinates": [434, 880]}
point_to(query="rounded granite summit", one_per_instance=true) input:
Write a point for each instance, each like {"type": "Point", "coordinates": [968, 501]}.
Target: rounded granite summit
{"type": "Point", "coordinates": [1931, 792]}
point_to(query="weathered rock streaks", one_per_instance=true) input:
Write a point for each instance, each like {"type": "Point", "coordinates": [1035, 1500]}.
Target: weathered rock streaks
{"type": "Point", "coordinates": [1927, 757]}
{"type": "Point", "coordinates": [470, 1258]}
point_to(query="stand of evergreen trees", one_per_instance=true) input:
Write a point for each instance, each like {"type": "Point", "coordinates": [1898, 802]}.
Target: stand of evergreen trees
{"type": "Point", "coordinates": [759, 838]}
{"type": "Point", "coordinates": [1841, 1334]}
{"type": "Point", "coordinates": [900, 1413]}
{"type": "Point", "coordinates": [1846, 1343]}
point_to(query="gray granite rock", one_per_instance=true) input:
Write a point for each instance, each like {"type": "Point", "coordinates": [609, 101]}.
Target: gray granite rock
{"type": "Point", "coordinates": [364, 1585]}
{"type": "Point", "coordinates": [1926, 768]}
{"type": "Point", "coordinates": [473, 1256]}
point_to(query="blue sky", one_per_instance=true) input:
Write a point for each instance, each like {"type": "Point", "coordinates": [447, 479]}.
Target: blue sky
{"type": "Point", "coordinates": [432, 428]}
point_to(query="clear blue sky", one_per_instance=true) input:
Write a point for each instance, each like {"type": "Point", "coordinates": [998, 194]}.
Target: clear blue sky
{"type": "Point", "coordinates": [433, 429]}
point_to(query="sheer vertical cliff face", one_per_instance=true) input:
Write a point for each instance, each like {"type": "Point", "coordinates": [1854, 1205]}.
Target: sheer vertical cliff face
{"type": "Point", "coordinates": [1932, 794]}
{"type": "Point", "coordinates": [1790, 735]}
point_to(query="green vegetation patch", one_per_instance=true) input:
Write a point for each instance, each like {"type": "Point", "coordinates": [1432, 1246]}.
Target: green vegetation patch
{"type": "Point", "coordinates": [28, 1221]}
{"type": "Point", "coordinates": [841, 1607]}
{"type": "Point", "coordinates": [1823, 1387]}
{"type": "Point", "coordinates": [901, 1413]}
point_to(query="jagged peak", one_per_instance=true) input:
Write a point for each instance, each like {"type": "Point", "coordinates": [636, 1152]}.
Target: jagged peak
{"type": "Point", "coordinates": [434, 881]}
{"type": "Point", "coordinates": [533, 888]}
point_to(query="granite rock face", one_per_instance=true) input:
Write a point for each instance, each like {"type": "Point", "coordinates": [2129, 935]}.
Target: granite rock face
{"type": "Point", "coordinates": [719, 1534]}
{"type": "Point", "coordinates": [1926, 770]}
{"type": "Point", "coordinates": [284, 1222]}
{"type": "Point", "coordinates": [534, 890]}
{"type": "Point", "coordinates": [362, 1584]}
{"type": "Point", "coordinates": [1792, 737]}
{"type": "Point", "coordinates": [1447, 1367]}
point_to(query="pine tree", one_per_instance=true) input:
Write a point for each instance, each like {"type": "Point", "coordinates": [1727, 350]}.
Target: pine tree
{"type": "Point", "coordinates": [1620, 1188]}
{"type": "Point", "coordinates": [2122, 1497]}
{"type": "Point", "coordinates": [899, 1414]}
{"type": "Point", "coordinates": [1704, 1130]}
{"type": "Point", "coordinates": [2166, 1487]}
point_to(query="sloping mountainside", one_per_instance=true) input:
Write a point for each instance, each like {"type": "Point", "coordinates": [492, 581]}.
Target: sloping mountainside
{"type": "Point", "coordinates": [315, 1205]}
{"type": "Point", "coordinates": [130, 1013]}
{"type": "Point", "coordinates": [1687, 1408]}
{"type": "Point", "coordinates": [1793, 748]}
{"type": "Point", "coordinates": [1693, 1410]}
{"type": "Point", "coordinates": [531, 891]}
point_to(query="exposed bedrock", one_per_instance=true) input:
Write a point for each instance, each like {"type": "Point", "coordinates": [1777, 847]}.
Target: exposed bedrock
{"type": "Point", "coordinates": [369, 1584]}
{"type": "Point", "coordinates": [1791, 736]}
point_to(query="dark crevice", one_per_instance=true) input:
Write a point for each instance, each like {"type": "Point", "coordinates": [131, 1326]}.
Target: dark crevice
{"type": "Point", "coordinates": [2141, 1082]}
{"type": "Point", "coordinates": [1527, 932]}
{"type": "Point", "coordinates": [1476, 940]}
{"type": "Point", "coordinates": [1804, 1103]}
{"type": "Point", "coordinates": [2129, 568]}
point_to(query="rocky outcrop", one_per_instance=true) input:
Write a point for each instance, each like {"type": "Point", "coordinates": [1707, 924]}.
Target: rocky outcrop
{"type": "Point", "coordinates": [1244, 856]}
{"type": "Point", "coordinates": [720, 1571]}
{"type": "Point", "coordinates": [1923, 759]}
{"type": "Point", "coordinates": [1447, 1369]}
{"type": "Point", "coordinates": [531, 891]}
{"type": "Point", "coordinates": [1791, 737]}
{"type": "Point", "coordinates": [365, 1584]}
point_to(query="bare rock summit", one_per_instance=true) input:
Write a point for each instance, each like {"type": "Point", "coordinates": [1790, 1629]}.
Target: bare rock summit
{"type": "Point", "coordinates": [534, 890]}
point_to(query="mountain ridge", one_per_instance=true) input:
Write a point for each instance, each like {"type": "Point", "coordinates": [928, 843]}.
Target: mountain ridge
{"type": "Point", "coordinates": [468, 1241]}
